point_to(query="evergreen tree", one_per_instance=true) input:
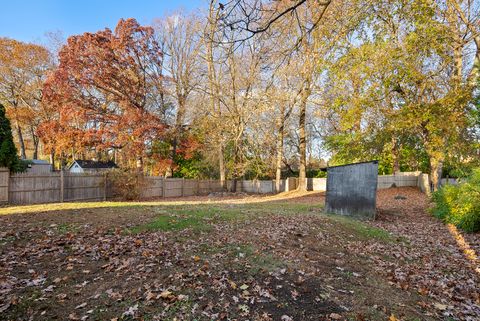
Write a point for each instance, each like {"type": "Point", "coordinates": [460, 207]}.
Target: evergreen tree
{"type": "Point", "coordinates": [8, 151]}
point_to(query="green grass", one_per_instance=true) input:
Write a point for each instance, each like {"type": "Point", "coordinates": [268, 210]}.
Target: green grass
{"type": "Point", "coordinates": [168, 223]}
{"type": "Point", "coordinates": [246, 255]}
{"type": "Point", "coordinates": [201, 218]}
{"type": "Point", "coordinates": [265, 262]}
{"type": "Point", "coordinates": [4, 241]}
{"type": "Point", "coordinates": [198, 218]}
{"type": "Point", "coordinates": [66, 228]}
{"type": "Point", "coordinates": [361, 229]}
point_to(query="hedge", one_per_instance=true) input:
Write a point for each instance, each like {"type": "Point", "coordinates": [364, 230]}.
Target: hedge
{"type": "Point", "coordinates": [460, 204]}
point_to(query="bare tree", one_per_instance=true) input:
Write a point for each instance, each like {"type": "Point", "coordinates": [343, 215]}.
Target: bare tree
{"type": "Point", "coordinates": [251, 17]}
{"type": "Point", "coordinates": [181, 39]}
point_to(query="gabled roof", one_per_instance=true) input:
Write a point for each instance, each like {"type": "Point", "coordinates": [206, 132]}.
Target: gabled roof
{"type": "Point", "coordinates": [94, 164]}
{"type": "Point", "coordinates": [38, 161]}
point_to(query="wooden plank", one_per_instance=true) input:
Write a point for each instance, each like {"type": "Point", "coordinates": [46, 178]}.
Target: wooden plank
{"type": "Point", "coordinates": [4, 183]}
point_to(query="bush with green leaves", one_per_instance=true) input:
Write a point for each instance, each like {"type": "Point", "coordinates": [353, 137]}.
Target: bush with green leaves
{"type": "Point", "coordinates": [460, 204]}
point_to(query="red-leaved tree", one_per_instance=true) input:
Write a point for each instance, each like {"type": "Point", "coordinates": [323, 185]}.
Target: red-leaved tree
{"type": "Point", "coordinates": [105, 93]}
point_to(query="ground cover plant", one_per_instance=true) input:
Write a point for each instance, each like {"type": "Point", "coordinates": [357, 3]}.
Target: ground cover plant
{"type": "Point", "coordinates": [251, 258]}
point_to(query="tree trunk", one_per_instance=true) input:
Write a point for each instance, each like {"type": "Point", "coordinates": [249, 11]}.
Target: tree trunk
{"type": "Point", "coordinates": [177, 130]}
{"type": "Point", "coordinates": [221, 165]}
{"type": "Point", "coordinates": [395, 155]}
{"type": "Point", "coordinates": [214, 91]}
{"type": "Point", "coordinates": [35, 143]}
{"type": "Point", "coordinates": [23, 155]}
{"type": "Point", "coordinates": [35, 149]}
{"type": "Point", "coordinates": [280, 136]}
{"type": "Point", "coordinates": [475, 72]}
{"type": "Point", "coordinates": [140, 164]}
{"type": "Point", "coordinates": [52, 160]}
{"type": "Point", "coordinates": [436, 167]}
{"type": "Point", "coordinates": [302, 175]}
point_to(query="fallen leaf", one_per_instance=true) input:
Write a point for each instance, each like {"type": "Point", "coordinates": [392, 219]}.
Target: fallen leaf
{"type": "Point", "coordinates": [440, 306]}
{"type": "Point", "coordinates": [393, 318]}
{"type": "Point", "coordinates": [243, 287]}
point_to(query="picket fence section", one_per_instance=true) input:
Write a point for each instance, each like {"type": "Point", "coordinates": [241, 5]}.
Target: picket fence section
{"type": "Point", "coordinates": [28, 188]}
{"type": "Point", "coordinates": [31, 189]}
{"type": "Point", "coordinates": [4, 174]}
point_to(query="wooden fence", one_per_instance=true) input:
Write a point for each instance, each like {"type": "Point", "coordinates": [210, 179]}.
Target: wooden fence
{"type": "Point", "coordinates": [176, 187]}
{"type": "Point", "coordinates": [28, 188]}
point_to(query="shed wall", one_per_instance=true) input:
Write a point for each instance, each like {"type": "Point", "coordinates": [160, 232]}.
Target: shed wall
{"type": "Point", "coordinates": [352, 189]}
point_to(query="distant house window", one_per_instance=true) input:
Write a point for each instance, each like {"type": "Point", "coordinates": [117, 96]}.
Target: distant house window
{"type": "Point", "coordinates": [76, 166]}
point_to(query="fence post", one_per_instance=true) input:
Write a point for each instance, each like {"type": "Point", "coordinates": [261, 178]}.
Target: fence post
{"type": "Point", "coordinates": [197, 192]}
{"type": "Point", "coordinates": [62, 185]}
{"type": "Point", "coordinates": [183, 186]}
{"type": "Point", "coordinates": [164, 187]}
{"type": "Point", "coordinates": [8, 187]}
{"type": "Point", "coordinates": [105, 186]}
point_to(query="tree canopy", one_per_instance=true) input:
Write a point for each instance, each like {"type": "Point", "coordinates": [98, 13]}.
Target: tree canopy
{"type": "Point", "coordinates": [261, 89]}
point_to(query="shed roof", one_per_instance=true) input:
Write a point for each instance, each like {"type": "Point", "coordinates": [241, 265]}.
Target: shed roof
{"type": "Point", "coordinates": [38, 161]}
{"type": "Point", "coordinates": [353, 164]}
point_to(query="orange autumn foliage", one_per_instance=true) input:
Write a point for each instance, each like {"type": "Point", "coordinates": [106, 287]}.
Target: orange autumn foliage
{"type": "Point", "coordinates": [104, 91]}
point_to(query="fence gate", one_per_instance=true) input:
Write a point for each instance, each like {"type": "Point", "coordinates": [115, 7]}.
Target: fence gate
{"type": "Point", "coordinates": [4, 175]}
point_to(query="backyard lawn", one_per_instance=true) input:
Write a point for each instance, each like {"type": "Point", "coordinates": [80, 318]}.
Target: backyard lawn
{"type": "Point", "coordinates": [245, 258]}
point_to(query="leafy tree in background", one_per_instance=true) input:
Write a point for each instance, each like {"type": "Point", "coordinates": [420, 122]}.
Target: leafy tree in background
{"type": "Point", "coordinates": [105, 91]}
{"type": "Point", "coordinates": [23, 70]}
{"type": "Point", "coordinates": [401, 89]}
{"type": "Point", "coordinates": [8, 151]}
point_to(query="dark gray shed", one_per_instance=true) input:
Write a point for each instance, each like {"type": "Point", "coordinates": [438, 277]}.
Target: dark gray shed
{"type": "Point", "coordinates": [352, 189]}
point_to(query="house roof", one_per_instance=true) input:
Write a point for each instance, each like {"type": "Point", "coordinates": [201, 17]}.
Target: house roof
{"type": "Point", "coordinates": [38, 161]}
{"type": "Point", "coordinates": [94, 164]}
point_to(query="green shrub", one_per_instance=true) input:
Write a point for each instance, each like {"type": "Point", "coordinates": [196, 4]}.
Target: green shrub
{"type": "Point", "coordinates": [8, 151]}
{"type": "Point", "coordinates": [460, 204]}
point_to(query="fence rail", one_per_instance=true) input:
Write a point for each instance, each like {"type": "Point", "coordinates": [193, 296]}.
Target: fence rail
{"type": "Point", "coordinates": [30, 188]}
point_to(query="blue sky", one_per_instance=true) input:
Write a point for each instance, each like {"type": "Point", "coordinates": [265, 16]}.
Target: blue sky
{"type": "Point", "coordinates": [29, 20]}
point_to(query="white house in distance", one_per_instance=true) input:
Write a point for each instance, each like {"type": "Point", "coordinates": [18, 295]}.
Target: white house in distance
{"type": "Point", "coordinates": [90, 166]}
